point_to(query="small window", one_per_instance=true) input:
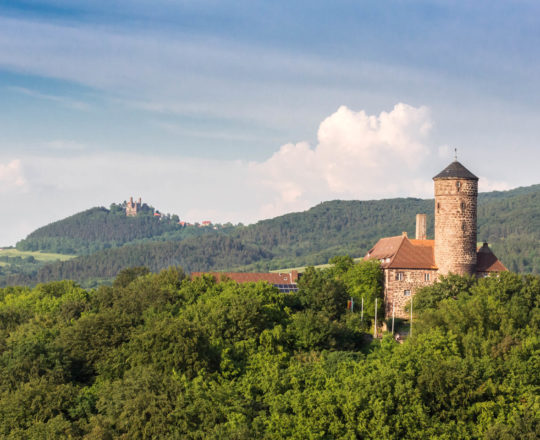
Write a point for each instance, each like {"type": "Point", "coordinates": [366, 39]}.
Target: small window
{"type": "Point", "coordinates": [399, 276]}
{"type": "Point", "coordinates": [427, 276]}
{"type": "Point", "coordinates": [438, 207]}
{"type": "Point", "coordinates": [463, 226]}
{"type": "Point", "coordinates": [462, 206]}
{"type": "Point", "coordinates": [406, 293]}
{"type": "Point", "coordinates": [458, 185]}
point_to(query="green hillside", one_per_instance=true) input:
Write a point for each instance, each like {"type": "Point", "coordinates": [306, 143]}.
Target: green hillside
{"type": "Point", "coordinates": [100, 228]}
{"type": "Point", "coordinates": [509, 220]}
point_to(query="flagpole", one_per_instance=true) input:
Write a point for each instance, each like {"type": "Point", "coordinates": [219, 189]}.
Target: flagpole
{"type": "Point", "coordinates": [375, 326]}
{"type": "Point", "coordinates": [393, 314]}
{"type": "Point", "coordinates": [410, 331]}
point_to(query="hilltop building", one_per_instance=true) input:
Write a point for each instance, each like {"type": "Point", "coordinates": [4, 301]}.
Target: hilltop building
{"type": "Point", "coordinates": [132, 208]}
{"type": "Point", "coordinates": [410, 264]}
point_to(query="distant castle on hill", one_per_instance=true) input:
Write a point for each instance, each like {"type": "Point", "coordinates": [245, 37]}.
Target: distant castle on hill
{"type": "Point", "coordinates": [410, 264]}
{"type": "Point", "coordinates": [132, 208]}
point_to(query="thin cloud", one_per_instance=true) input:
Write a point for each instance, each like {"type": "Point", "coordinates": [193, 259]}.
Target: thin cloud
{"type": "Point", "coordinates": [179, 74]}
{"type": "Point", "coordinates": [11, 176]}
{"type": "Point", "coordinates": [66, 102]}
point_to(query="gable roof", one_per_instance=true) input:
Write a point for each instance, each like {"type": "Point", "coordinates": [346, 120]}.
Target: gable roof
{"type": "Point", "coordinates": [455, 171]}
{"type": "Point", "coordinates": [418, 255]}
{"type": "Point", "coordinates": [486, 261]}
{"type": "Point", "coordinates": [402, 253]}
{"type": "Point", "coordinates": [385, 248]}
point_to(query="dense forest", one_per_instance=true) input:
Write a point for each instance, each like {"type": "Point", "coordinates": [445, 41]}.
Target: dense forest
{"type": "Point", "coordinates": [204, 253]}
{"type": "Point", "coordinates": [508, 220]}
{"type": "Point", "coordinates": [100, 228]}
{"type": "Point", "coordinates": [161, 356]}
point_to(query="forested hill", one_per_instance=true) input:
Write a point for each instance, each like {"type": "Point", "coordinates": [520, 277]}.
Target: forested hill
{"type": "Point", "coordinates": [100, 228]}
{"type": "Point", "coordinates": [509, 220]}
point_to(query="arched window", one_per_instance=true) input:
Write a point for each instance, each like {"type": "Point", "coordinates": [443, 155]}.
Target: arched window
{"type": "Point", "coordinates": [462, 206]}
{"type": "Point", "coordinates": [438, 207]}
{"type": "Point", "coordinates": [458, 185]}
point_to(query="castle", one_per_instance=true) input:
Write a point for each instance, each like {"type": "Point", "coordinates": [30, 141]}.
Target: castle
{"type": "Point", "coordinates": [132, 208]}
{"type": "Point", "coordinates": [409, 264]}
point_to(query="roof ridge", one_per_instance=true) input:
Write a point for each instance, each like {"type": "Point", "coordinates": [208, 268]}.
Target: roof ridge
{"type": "Point", "coordinates": [403, 238]}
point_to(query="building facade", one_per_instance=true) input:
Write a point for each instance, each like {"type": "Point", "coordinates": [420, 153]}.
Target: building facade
{"type": "Point", "coordinates": [410, 264]}
{"type": "Point", "coordinates": [133, 208]}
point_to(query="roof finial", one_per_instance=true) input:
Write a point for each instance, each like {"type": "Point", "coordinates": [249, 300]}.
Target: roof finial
{"type": "Point", "coordinates": [455, 154]}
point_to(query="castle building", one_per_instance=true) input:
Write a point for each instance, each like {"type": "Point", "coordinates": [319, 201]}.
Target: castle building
{"type": "Point", "coordinates": [132, 208]}
{"type": "Point", "coordinates": [410, 264]}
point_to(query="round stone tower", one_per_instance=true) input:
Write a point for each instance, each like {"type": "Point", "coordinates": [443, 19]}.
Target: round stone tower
{"type": "Point", "coordinates": [456, 191]}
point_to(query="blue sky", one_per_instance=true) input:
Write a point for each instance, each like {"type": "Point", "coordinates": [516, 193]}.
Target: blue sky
{"type": "Point", "coordinates": [242, 110]}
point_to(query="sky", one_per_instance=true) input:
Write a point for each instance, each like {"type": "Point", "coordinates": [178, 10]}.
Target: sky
{"type": "Point", "coordinates": [244, 110]}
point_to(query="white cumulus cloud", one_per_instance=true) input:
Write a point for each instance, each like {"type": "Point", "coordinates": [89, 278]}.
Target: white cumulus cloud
{"type": "Point", "coordinates": [357, 156]}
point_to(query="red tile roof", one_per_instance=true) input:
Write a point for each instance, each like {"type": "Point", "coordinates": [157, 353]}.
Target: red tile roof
{"type": "Point", "coordinates": [486, 261]}
{"type": "Point", "coordinates": [403, 253]}
{"type": "Point", "coordinates": [414, 255]}
{"type": "Point", "coordinates": [385, 248]}
{"type": "Point", "coordinates": [247, 277]}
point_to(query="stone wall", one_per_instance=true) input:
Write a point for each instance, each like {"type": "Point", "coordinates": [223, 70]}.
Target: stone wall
{"type": "Point", "coordinates": [132, 208]}
{"type": "Point", "coordinates": [394, 288]}
{"type": "Point", "coordinates": [455, 225]}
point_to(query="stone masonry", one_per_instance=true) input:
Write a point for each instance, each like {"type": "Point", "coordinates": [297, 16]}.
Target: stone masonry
{"type": "Point", "coordinates": [132, 208]}
{"type": "Point", "coordinates": [410, 264]}
{"type": "Point", "coordinates": [455, 225]}
{"type": "Point", "coordinates": [401, 284]}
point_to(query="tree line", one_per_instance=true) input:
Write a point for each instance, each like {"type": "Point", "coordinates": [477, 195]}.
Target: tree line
{"type": "Point", "coordinates": [163, 356]}
{"type": "Point", "coordinates": [509, 220]}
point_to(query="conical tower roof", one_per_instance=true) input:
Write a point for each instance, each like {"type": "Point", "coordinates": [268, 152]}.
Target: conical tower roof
{"type": "Point", "coordinates": [455, 171]}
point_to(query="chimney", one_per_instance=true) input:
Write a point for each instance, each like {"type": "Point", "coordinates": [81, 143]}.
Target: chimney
{"type": "Point", "coordinates": [404, 234]}
{"type": "Point", "coordinates": [140, 201]}
{"type": "Point", "coordinates": [421, 227]}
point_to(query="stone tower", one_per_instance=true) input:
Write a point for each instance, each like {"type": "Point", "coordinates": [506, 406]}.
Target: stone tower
{"type": "Point", "coordinates": [456, 191]}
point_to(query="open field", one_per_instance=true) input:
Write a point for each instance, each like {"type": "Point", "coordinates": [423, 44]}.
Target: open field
{"type": "Point", "coordinates": [40, 256]}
